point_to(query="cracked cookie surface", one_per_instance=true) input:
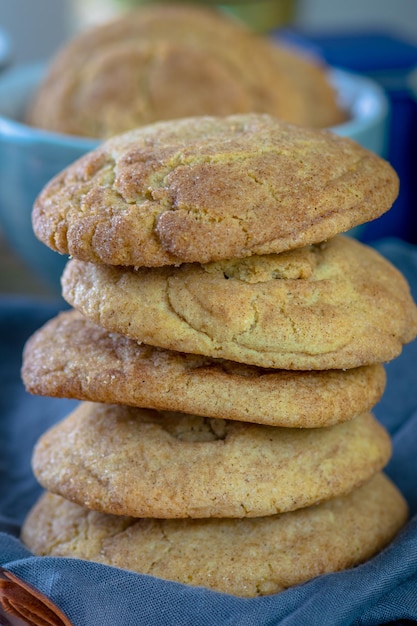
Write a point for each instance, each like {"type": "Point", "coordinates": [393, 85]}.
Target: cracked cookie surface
{"type": "Point", "coordinates": [243, 557]}
{"type": "Point", "coordinates": [331, 306]}
{"type": "Point", "coordinates": [207, 189]}
{"type": "Point", "coordinates": [159, 63]}
{"type": "Point", "coordinates": [71, 357]}
{"type": "Point", "coordinates": [145, 463]}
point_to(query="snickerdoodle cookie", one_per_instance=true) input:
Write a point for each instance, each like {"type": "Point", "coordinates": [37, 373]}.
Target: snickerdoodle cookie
{"type": "Point", "coordinates": [207, 189]}
{"type": "Point", "coordinates": [334, 305]}
{"type": "Point", "coordinates": [171, 61]}
{"type": "Point", "coordinates": [145, 463]}
{"type": "Point", "coordinates": [71, 357]}
{"type": "Point", "coordinates": [243, 557]}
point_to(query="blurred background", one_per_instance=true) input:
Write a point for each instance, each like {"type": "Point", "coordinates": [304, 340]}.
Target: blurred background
{"type": "Point", "coordinates": [376, 38]}
{"type": "Point", "coordinates": [38, 27]}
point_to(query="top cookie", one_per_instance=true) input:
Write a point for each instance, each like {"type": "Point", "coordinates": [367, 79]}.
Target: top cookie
{"type": "Point", "coordinates": [166, 62]}
{"type": "Point", "coordinates": [207, 188]}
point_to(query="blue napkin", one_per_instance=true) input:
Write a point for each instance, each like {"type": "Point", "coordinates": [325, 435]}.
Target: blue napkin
{"type": "Point", "coordinates": [381, 591]}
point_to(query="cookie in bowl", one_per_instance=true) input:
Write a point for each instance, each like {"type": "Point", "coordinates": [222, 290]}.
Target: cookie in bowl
{"type": "Point", "coordinates": [169, 61]}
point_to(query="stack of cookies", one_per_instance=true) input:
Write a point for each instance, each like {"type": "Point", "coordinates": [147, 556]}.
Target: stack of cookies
{"type": "Point", "coordinates": [227, 344]}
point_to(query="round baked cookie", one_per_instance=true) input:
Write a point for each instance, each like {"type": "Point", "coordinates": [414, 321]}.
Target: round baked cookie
{"type": "Point", "coordinates": [159, 63]}
{"type": "Point", "coordinates": [71, 357]}
{"type": "Point", "coordinates": [145, 463]}
{"type": "Point", "coordinates": [243, 557]}
{"type": "Point", "coordinates": [210, 188]}
{"type": "Point", "coordinates": [336, 305]}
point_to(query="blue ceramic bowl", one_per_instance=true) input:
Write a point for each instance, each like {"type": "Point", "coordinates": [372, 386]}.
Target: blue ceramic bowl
{"type": "Point", "coordinates": [29, 157]}
{"type": "Point", "coordinates": [368, 107]}
{"type": "Point", "coordinates": [5, 49]}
